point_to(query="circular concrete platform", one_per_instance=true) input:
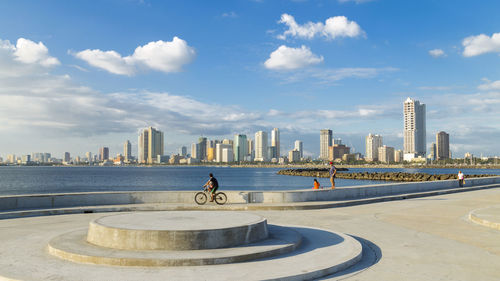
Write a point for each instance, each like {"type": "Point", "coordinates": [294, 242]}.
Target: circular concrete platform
{"type": "Point", "coordinates": [73, 247]}
{"type": "Point", "coordinates": [184, 230]}
{"type": "Point", "coordinates": [489, 217]}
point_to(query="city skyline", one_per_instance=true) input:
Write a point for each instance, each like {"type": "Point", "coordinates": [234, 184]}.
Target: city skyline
{"type": "Point", "coordinates": [71, 80]}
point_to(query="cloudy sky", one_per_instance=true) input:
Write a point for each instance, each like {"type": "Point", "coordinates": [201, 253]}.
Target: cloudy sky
{"type": "Point", "coordinates": [77, 75]}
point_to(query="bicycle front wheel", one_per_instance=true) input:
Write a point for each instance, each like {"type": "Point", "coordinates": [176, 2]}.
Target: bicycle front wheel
{"type": "Point", "coordinates": [200, 198]}
{"type": "Point", "coordinates": [220, 198]}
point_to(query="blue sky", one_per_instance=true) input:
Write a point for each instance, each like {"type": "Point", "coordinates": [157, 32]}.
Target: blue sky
{"type": "Point", "coordinates": [77, 75]}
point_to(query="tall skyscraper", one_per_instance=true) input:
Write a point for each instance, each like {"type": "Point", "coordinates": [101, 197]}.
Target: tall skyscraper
{"type": "Point", "coordinates": [442, 145]}
{"type": "Point", "coordinates": [261, 147]}
{"type": "Point", "coordinates": [89, 157]}
{"type": "Point", "coordinates": [67, 157]}
{"type": "Point", "coordinates": [127, 151]}
{"type": "Point", "coordinates": [221, 152]}
{"type": "Point", "coordinates": [103, 153]}
{"type": "Point", "coordinates": [240, 147]}
{"type": "Point", "coordinates": [299, 147]}
{"type": "Point", "coordinates": [275, 142]}
{"type": "Point", "coordinates": [386, 154]}
{"type": "Point", "coordinates": [433, 152]}
{"type": "Point", "coordinates": [414, 129]}
{"type": "Point", "coordinates": [373, 142]}
{"type": "Point", "coordinates": [150, 145]}
{"type": "Point", "coordinates": [251, 149]}
{"type": "Point", "coordinates": [325, 141]}
{"type": "Point", "coordinates": [202, 143]}
{"type": "Point", "coordinates": [195, 150]}
{"type": "Point", "coordinates": [182, 151]}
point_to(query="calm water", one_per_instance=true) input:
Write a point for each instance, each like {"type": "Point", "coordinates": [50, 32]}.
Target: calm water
{"type": "Point", "coordinates": [33, 180]}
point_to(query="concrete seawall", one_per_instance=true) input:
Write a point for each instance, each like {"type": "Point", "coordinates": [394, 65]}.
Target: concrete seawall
{"type": "Point", "coordinates": [61, 200]}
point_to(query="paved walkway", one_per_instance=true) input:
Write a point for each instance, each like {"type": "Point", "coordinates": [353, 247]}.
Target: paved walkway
{"type": "Point", "coordinates": [489, 217]}
{"type": "Point", "coordinates": [428, 238]}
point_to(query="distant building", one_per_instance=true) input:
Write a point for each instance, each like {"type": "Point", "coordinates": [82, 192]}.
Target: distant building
{"type": "Point", "coordinates": [442, 145]}
{"type": "Point", "coordinates": [195, 150]}
{"type": "Point", "coordinates": [386, 154]}
{"type": "Point", "coordinates": [227, 154]}
{"type": "Point", "coordinates": [433, 152]}
{"type": "Point", "coordinates": [294, 156]}
{"type": "Point", "coordinates": [26, 159]}
{"type": "Point", "coordinates": [11, 158]}
{"type": "Point", "coordinates": [261, 147]}
{"type": "Point", "coordinates": [271, 150]}
{"type": "Point", "coordinates": [67, 157]}
{"type": "Point", "coordinates": [202, 146]}
{"type": "Point", "coordinates": [251, 149]}
{"type": "Point", "coordinates": [299, 147]}
{"type": "Point", "coordinates": [398, 156]}
{"type": "Point", "coordinates": [325, 141]}
{"type": "Point", "coordinates": [103, 153]}
{"type": "Point", "coordinates": [127, 151]}
{"type": "Point", "coordinates": [182, 151]}
{"type": "Point", "coordinates": [275, 142]}
{"type": "Point", "coordinates": [414, 129]}
{"type": "Point", "coordinates": [219, 152]}
{"type": "Point", "coordinates": [210, 154]}
{"type": "Point", "coordinates": [89, 157]}
{"type": "Point", "coordinates": [150, 145]}
{"type": "Point", "coordinates": [336, 151]}
{"type": "Point", "coordinates": [240, 148]}
{"type": "Point", "coordinates": [373, 142]}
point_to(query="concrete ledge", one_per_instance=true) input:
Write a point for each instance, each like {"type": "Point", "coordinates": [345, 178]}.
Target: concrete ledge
{"type": "Point", "coordinates": [489, 217]}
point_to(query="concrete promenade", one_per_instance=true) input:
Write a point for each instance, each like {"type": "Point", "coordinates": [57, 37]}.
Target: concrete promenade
{"type": "Point", "coordinates": [428, 238]}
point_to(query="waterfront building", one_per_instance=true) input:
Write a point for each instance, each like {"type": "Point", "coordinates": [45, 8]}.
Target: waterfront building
{"type": "Point", "coordinates": [325, 141]}
{"type": "Point", "coordinates": [103, 153]}
{"type": "Point", "coordinates": [398, 156]}
{"type": "Point", "coordinates": [261, 147]}
{"type": "Point", "coordinates": [373, 142]}
{"type": "Point", "coordinates": [386, 154]}
{"type": "Point", "coordinates": [227, 154]}
{"type": "Point", "coordinates": [414, 129]}
{"type": "Point", "coordinates": [127, 151]}
{"type": "Point", "coordinates": [11, 158]}
{"type": "Point", "coordinates": [202, 146]}
{"type": "Point", "coordinates": [40, 157]}
{"type": "Point", "coordinates": [195, 150]}
{"type": "Point", "coordinates": [275, 142]}
{"type": "Point", "coordinates": [183, 151]}
{"type": "Point", "coordinates": [150, 145]}
{"type": "Point", "coordinates": [298, 145]}
{"type": "Point", "coordinates": [26, 159]}
{"type": "Point", "coordinates": [219, 152]}
{"type": "Point", "coordinates": [442, 146]}
{"type": "Point", "coordinates": [227, 141]}
{"type": "Point", "coordinates": [210, 154]}
{"type": "Point", "coordinates": [337, 141]}
{"type": "Point", "coordinates": [336, 151]}
{"type": "Point", "coordinates": [174, 159]}
{"type": "Point", "coordinates": [432, 154]}
{"type": "Point", "coordinates": [67, 157]}
{"type": "Point", "coordinates": [88, 155]}
{"type": "Point", "coordinates": [240, 147]}
{"type": "Point", "coordinates": [294, 156]}
{"type": "Point", "coordinates": [251, 149]}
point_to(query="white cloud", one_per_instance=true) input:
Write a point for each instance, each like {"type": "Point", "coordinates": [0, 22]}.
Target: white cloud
{"type": "Point", "coordinates": [490, 86]}
{"type": "Point", "coordinates": [333, 28]}
{"type": "Point", "coordinates": [29, 52]}
{"type": "Point", "coordinates": [437, 53]}
{"type": "Point", "coordinates": [160, 55]}
{"type": "Point", "coordinates": [355, 1]}
{"type": "Point", "coordinates": [287, 58]}
{"type": "Point", "coordinates": [230, 15]}
{"type": "Point", "coordinates": [481, 44]}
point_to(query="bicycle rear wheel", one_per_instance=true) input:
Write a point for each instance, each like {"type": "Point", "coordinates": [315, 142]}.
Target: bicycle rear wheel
{"type": "Point", "coordinates": [220, 198]}
{"type": "Point", "coordinates": [200, 198]}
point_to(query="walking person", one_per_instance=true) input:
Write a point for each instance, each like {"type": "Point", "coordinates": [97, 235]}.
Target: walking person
{"type": "Point", "coordinates": [333, 172]}
{"type": "Point", "coordinates": [461, 179]}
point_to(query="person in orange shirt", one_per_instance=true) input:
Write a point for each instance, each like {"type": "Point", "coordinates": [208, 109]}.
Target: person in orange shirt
{"type": "Point", "coordinates": [316, 184]}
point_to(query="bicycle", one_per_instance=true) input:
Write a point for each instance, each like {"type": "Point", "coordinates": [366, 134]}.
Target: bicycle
{"type": "Point", "coordinates": [201, 197]}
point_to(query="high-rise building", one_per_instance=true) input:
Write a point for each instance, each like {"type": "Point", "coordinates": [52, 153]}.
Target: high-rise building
{"type": "Point", "coordinates": [432, 154]}
{"type": "Point", "coordinates": [336, 151]}
{"type": "Point", "coordinates": [442, 145]}
{"type": "Point", "coordinates": [373, 142]}
{"type": "Point", "coordinates": [89, 157]}
{"type": "Point", "coordinates": [251, 149]}
{"type": "Point", "coordinates": [67, 157]}
{"type": "Point", "coordinates": [414, 129]}
{"type": "Point", "coordinates": [325, 141]}
{"type": "Point", "coordinates": [210, 154]}
{"type": "Point", "coordinates": [240, 147]}
{"type": "Point", "coordinates": [386, 154]}
{"type": "Point", "coordinates": [294, 156]}
{"type": "Point", "coordinates": [261, 147]}
{"type": "Point", "coordinates": [182, 151]}
{"type": "Point", "coordinates": [11, 158]}
{"type": "Point", "coordinates": [127, 151]}
{"type": "Point", "coordinates": [103, 153]}
{"type": "Point", "coordinates": [195, 150]}
{"type": "Point", "coordinates": [202, 144]}
{"type": "Point", "coordinates": [275, 142]}
{"type": "Point", "coordinates": [227, 154]}
{"type": "Point", "coordinates": [150, 145]}
{"type": "Point", "coordinates": [398, 156]}
{"type": "Point", "coordinates": [299, 147]}
{"type": "Point", "coordinates": [220, 149]}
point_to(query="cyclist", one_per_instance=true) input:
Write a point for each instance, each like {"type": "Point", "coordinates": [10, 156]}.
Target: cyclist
{"type": "Point", "coordinates": [212, 185]}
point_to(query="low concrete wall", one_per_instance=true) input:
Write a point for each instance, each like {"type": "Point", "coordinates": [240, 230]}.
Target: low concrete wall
{"type": "Point", "coordinates": [61, 200]}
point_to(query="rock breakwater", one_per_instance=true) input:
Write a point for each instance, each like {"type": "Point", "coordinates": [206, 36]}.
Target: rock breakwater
{"type": "Point", "coordinates": [384, 176]}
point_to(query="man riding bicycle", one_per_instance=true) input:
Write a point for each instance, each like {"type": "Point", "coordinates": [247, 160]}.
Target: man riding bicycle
{"type": "Point", "coordinates": [212, 185]}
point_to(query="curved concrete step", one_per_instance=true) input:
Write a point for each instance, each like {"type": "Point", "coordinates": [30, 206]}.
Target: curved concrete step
{"type": "Point", "coordinates": [188, 230]}
{"type": "Point", "coordinates": [489, 217]}
{"type": "Point", "coordinates": [73, 247]}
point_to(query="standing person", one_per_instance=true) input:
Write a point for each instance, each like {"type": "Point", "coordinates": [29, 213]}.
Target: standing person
{"type": "Point", "coordinates": [333, 172]}
{"type": "Point", "coordinates": [316, 184]}
{"type": "Point", "coordinates": [461, 179]}
{"type": "Point", "coordinates": [213, 185]}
